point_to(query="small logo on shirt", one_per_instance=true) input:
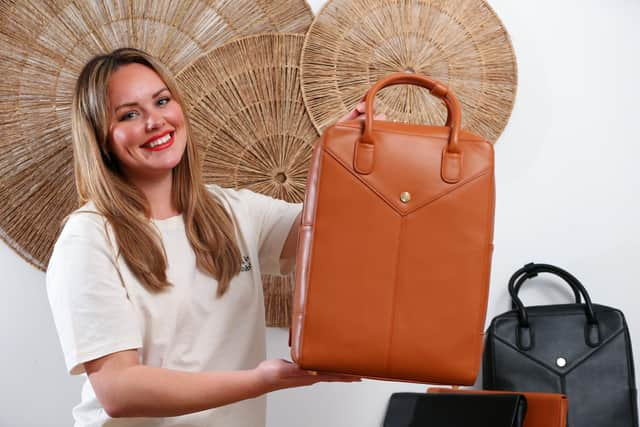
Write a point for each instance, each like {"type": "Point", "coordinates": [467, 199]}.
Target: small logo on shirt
{"type": "Point", "coordinates": [246, 264]}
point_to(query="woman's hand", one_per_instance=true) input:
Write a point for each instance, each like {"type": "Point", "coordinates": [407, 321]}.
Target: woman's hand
{"type": "Point", "coordinates": [279, 374]}
{"type": "Point", "coordinates": [358, 113]}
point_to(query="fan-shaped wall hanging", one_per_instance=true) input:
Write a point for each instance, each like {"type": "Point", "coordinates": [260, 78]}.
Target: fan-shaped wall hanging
{"type": "Point", "coordinates": [354, 43]}
{"type": "Point", "coordinates": [247, 113]}
{"type": "Point", "coordinates": [43, 46]}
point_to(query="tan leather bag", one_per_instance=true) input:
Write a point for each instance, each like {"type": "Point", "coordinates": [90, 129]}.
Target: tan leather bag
{"type": "Point", "coordinates": [543, 409]}
{"type": "Point", "coordinates": [395, 248]}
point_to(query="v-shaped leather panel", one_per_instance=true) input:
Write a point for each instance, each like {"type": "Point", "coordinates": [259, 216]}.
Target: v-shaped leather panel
{"type": "Point", "coordinates": [568, 341]}
{"type": "Point", "coordinates": [420, 155]}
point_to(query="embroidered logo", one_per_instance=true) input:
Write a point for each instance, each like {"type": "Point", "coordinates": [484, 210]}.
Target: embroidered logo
{"type": "Point", "coordinates": [246, 264]}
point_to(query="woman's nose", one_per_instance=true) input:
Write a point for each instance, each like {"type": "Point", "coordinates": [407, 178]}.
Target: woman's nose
{"type": "Point", "coordinates": [154, 121]}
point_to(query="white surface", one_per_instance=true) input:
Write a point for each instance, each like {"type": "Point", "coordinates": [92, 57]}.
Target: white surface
{"type": "Point", "coordinates": [567, 195]}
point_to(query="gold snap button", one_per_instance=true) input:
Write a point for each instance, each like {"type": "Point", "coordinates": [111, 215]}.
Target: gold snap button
{"type": "Point", "coordinates": [561, 362]}
{"type": "Point", "coordinates": [405, 197]}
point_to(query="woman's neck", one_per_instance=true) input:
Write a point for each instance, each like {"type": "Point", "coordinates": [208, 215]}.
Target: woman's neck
{"type": "Point", "coordinates": [158, 194]}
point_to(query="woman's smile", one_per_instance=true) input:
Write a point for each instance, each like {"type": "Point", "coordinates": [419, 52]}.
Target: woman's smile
{"type": "Point", "coordinates": [160, 142]}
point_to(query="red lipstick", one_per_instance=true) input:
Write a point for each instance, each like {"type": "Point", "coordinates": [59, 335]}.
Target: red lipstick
{"type": "Point", "coordinates": [162, 146]}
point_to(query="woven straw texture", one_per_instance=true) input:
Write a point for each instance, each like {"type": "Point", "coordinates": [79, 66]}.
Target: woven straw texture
{"type": "Point", "coordinates": [43, 46]}
{"type": "Point", "coordinates": [462, 43]}
{"type": "Point", "coordinates": [248, 116]}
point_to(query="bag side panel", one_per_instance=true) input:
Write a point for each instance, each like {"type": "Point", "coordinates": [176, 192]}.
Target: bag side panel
{"type": "Point", "coordinates": [348, 310]}
{"type": "Point", "coordinates": [303, 258]}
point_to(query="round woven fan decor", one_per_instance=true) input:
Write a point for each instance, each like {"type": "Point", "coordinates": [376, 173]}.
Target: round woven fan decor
{"type": "Point", "coordinates": [43, 46]}
{"type": "Point", "coordinates": [247, 114]}
{"type": "Point", "coordinates": [354, 43]}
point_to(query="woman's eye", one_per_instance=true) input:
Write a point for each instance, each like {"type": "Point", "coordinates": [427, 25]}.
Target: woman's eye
{"type": "Point", "coordinates": [128, 115]}
{"type": "Point", "coordinates": [163, 101]}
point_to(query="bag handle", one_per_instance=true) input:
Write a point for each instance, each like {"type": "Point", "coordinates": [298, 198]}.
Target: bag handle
{"type": "Point", "coordinates": [451, 157]}
{"type": "Point", "coordinates": [525, 335]}
{"type": "Point", "coordinates": [527, 271]}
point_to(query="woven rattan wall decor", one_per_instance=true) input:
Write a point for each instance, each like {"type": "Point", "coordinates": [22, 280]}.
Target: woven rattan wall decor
{"type": "Point", "coordinates": [354, 43]}
{"type": "Point", "coordinates": [44, 44]}
{"type": "Point", "coordinates": [247, 113]}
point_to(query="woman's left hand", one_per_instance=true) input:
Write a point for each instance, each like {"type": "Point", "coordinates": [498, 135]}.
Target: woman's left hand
{"type": "Point", "coordinates": [358, 113]}
{"type": "Point", "coordinates": [277, 374]}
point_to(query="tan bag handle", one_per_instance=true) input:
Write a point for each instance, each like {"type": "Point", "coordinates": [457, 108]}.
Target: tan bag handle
{"type": "Point", "coordinates": [452, 156]}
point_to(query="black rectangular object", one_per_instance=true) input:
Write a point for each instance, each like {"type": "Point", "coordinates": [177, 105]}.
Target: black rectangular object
{"type": "Point", "coordinates": [455, 410]}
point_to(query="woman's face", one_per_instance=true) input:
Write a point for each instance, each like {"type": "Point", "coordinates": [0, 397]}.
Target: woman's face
{"type": "Point", "coordinates": [147, 133]}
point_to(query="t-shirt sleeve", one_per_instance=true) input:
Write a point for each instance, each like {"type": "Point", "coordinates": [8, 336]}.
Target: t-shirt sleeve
{"type": "Point", "coordinates": [271, 221]}
{"type": "Point", "coordinates": [90, 306]}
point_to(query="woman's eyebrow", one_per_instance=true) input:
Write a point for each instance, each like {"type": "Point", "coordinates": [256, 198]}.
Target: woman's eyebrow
{"type": "Point", "coordinates": [133, 104]}
{"type": "Point", "coordinates": [160, 91]}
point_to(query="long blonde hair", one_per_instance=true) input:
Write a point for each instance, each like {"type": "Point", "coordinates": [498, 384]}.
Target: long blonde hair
{"type": "Point", "coordinates": [98, 177]}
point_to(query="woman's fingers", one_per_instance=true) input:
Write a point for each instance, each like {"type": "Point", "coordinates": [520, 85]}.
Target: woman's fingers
{"type": "Point", "coordinates": [292, 370]}
{"type": "Point", "coordinates": [338, 378]}
{"type": "Point", "coordinates": [331, 376]}
{"type": "Point", "coordinates": [279, 373]}
{"type": "Point", "coordinates": [357, 111]}
{"type": "Point", "coordinates": [380, 116]}
{"type": "Point", "coordinates": [362, 116]}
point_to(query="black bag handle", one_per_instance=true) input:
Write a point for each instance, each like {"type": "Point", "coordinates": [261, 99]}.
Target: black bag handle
{"type": "Point", "coordinates": [525, 336]}
{"type": "Point", "coordinates": [530, 272]}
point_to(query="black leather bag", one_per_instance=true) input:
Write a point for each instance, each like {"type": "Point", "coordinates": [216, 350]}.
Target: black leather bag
{"type": "Point", "coordinates": [582, 350]}
{"type": "Point", "coordinates": [455, 410]}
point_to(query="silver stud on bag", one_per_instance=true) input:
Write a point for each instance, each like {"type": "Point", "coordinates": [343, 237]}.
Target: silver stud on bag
{"type": "Point", "coordinates": [405, 197]}
{"type": "Point", "coordinates": [561, 362]}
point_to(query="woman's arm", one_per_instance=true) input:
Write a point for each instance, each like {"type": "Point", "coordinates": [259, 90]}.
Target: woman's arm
{"type": "Point", "coordinates": [127, 389]}
{"type": "Point", "coordinates": [290, 245]}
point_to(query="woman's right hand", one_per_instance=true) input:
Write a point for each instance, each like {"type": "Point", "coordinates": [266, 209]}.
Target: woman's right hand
{"type": "Point", "coordinates": [277, 374]}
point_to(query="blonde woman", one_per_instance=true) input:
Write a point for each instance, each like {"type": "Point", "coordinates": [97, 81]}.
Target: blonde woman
{"type": "Point", "coordinates": [154, 282]}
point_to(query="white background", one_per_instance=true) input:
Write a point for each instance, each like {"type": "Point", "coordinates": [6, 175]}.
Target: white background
{"type": "Point", "coordinates": [567, 194]}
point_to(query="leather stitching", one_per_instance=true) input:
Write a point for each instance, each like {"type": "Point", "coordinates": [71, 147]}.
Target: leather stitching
{"type": "Point", "coordinates": [577, 363]}
{"type": "Point", "coordinates": [391, 204]}
{"type": "Point", "coordinates": [309, 244]}
{"type": "Point", "coordinates": [393, 298]}
{"type": "Point", "coordinates": [467, 138]}
{"type": "Point", "coordinates": [487, 273]}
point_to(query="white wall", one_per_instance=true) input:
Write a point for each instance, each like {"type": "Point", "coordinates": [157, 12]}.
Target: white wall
{"type": "Point", "coordinates": [567, 194]}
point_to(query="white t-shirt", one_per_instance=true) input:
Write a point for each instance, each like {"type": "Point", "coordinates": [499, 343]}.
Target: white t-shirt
{"type": "Point", "coordinates": [99, 307]}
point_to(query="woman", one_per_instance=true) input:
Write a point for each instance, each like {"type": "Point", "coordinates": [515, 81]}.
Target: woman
{"type": "Point", "coordinates": [154, 282]}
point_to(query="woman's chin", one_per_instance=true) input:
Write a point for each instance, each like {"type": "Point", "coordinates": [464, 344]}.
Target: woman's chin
{"type": "Point", "coordinates": [156, 170]}
{"type": "Point", "coordinates": [166, 161]}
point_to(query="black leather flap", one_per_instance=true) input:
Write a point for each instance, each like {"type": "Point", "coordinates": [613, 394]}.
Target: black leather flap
{"type": "Point", "coordinates": [558, 334]}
